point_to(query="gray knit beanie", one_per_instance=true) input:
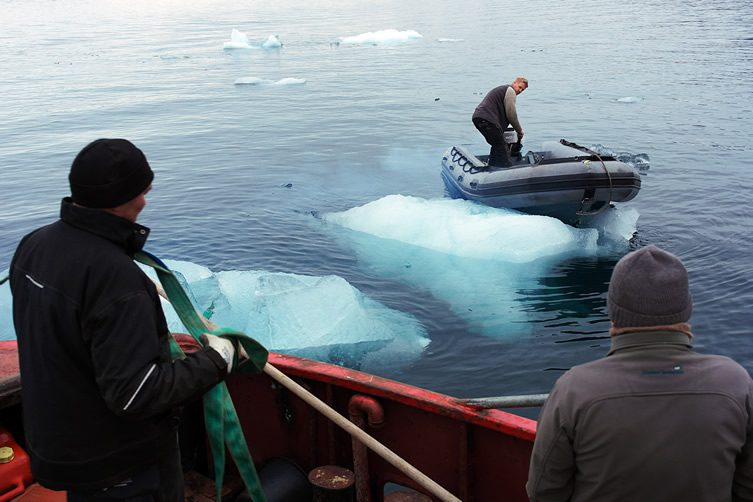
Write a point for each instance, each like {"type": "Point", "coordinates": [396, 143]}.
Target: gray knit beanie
{"type": "Point", "coordinates": [649, 287]}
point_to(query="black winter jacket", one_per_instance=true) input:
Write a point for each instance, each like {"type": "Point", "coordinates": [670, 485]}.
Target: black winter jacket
{"type": "Point", "coordinates": [99, 388]}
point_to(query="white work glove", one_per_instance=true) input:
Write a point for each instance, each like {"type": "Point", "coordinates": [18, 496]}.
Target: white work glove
{"type": "Point", "coordinates": [223, 346]}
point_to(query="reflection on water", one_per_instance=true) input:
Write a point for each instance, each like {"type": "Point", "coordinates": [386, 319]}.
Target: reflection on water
{"type": "Point", "coordinates": [240, 168]}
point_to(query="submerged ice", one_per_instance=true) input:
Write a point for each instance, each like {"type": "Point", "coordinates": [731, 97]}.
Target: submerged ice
{"type": "Point", "coordinates": [321, 317]}
{"type": "Point", "coordinates": [485, 264]}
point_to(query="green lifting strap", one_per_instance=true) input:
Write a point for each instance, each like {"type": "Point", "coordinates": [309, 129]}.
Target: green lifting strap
{"type": "Point", "coordinates": [223, 426]}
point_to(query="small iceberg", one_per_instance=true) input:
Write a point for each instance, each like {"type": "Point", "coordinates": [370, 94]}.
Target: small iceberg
{"type": "Point", "coordinates": [630, 99]}
{"type": "Point", "coordinates": [272, 42]}
{"type": "Point", "coordinates": [264, 81]}
{"type": "Point", "coordinates": [381, 37]}
{"type": "Point", "coordinates": [450, 40]}
{"type": "Point", "coordinates": [239, 40]}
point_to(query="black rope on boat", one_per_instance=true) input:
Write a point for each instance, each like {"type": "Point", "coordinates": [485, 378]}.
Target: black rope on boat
{"type": "Point", "coordinates": [463, 162]}
{"type": "Point", "coordinates": [609, 177]}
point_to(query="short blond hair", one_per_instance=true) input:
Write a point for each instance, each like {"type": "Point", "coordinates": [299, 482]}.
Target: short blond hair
{"type": "Point", "coordinates": [522, 80]}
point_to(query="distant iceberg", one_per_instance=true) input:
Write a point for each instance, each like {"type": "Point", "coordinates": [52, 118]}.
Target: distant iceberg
{"type": "Point", "coordinates": [630, 99]}
{"type": "Point", "coordinates": [264, 81]}
{"type": "Point", "coordinates": [272, 42]}
{"type": "Point", "coordinates": [381, 37]}
{"type": "Point", "coordinates": [239, 40]}
{"type": "Point", "coordinates": [450, 39]}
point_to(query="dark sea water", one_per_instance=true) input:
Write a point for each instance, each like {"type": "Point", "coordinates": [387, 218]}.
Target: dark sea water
{"type": "Point", "coordinates": [243, 171]}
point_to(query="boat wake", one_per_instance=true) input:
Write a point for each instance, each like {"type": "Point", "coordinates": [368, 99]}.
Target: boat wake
{"type": "Point", "coordinates": [639, 161]}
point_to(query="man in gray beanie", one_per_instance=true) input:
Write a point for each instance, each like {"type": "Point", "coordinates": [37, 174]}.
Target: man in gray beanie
{"type": "Point", "coordinates": [100, 390]}
{"type": "Point", "coordinates": [653, 420]}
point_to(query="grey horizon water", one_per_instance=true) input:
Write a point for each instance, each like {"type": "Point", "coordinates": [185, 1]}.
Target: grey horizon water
{"type": "Point", "coordinates": [240, 169]}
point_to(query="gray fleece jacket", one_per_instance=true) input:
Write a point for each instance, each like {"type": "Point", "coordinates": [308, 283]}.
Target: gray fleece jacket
{"type": "Point", "coordinates": [652, 421]}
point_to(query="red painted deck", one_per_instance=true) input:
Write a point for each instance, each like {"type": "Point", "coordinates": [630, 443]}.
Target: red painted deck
{"type": "Point", "coordinates": [476, 455]}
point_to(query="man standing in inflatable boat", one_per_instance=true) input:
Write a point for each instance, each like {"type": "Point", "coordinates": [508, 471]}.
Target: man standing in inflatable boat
{"type": "Point", "coordinates": [494, 114]}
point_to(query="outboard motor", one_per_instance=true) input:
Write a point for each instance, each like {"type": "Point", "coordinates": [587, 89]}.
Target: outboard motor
{"type": "Point", "coordinates": [511, 139]}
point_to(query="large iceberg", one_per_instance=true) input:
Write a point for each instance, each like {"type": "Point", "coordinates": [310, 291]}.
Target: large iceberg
{"type": "Point", "coordinates": [465, 229]}
{"type": "Point", "coordinates": [321, 317]}
{"type": "Point", "coordinates": [324, 318]}
{"type": "Point", "coordinates": [481, 262]}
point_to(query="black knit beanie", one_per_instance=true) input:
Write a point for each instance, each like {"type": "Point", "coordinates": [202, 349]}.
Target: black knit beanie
{"type": "Point", "coordinates": [108, 173]}
{"type": "Point", "coordinates": [649, 287]}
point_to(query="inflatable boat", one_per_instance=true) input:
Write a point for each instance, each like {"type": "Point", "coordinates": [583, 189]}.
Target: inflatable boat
{"type": "Point", "coordinates": [566, 181]}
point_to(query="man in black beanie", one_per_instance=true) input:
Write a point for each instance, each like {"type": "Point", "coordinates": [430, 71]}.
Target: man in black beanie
{"type": "Point", "coordinates": [652, 421]}
{"type": "Point", "coordinates": [100, 390]}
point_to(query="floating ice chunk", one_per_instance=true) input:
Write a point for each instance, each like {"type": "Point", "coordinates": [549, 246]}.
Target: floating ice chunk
{"type": "Point", "coordinates": [264, 81]}
{"type": "Point", "coordinates": [464, 228]}
{"type": "Point", "coordinates": [450, 39]}
{"type": "Point", "coordinates": [484, 264]}
{"type": "Point", "coordinates": [312, 316]}
{"type": "Point", "coordinates": [272, 42]}
{"type": "Point", "coordinates": [290, 81]}
{"type": "Point", "coordinates": [238, 40]}
{"type": "Point", "coordinates": [629, 99]}
{"type": "Point", "coordinates": [617, 225]}
{"type": "Point", "coordinates": [381, 37]}
{"type": "Point", "coordinates": [251, 81]}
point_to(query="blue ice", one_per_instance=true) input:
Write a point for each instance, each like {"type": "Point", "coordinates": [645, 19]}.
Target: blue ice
{"type": "Point", "coordinates": [481, 262]}
{"type": "Point", "coordinates": [320, 317]}
{"type": "Point", "coordinates": [324, 318]}
{"type": "Point", "coordinates": [381, 37]}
